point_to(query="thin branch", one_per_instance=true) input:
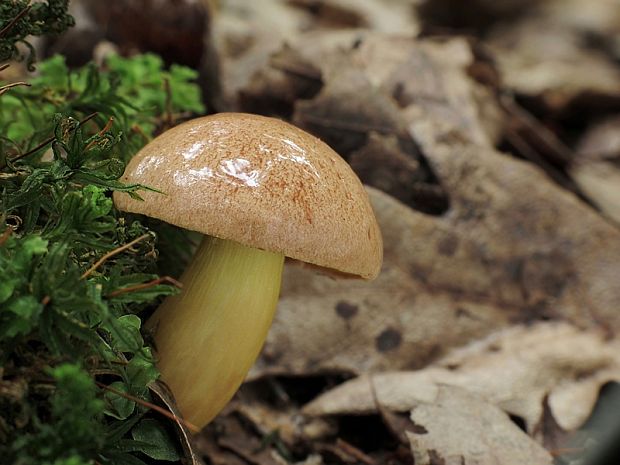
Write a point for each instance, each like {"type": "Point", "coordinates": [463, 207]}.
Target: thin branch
{"type": "Point", "coordinates": [353, 451]}
{"type": "Point", "coordinates": [4, 66]}
{"type": "Point", "coordinates": [45, 142]}
{"type": "Point", "coordinates": [561, 152]}
{"type": "Point", "coordinates": [139, 287]}
{"type": "Point", "coordinates": [5, 88]}
{"type": "Point", "coordinates": [151, 406]}
{"type": "Point", "coordinates": [12, 23]}
{"type": "Point", "coordinates": [112, 253]}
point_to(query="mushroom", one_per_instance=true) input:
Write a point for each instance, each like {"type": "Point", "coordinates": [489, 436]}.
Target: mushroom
{"type": "Point", "coordinates": [259, 189]}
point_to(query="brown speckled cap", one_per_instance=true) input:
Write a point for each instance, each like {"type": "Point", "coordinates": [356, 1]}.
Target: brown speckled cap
{"type": "Point", "coordinates": [263, 183]}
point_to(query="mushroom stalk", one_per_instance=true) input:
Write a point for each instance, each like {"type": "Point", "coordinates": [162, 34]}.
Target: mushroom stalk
{"type": "Point", "coordinates": [209, 335]}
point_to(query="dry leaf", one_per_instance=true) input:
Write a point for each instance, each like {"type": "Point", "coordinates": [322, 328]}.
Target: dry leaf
{"type": "Point", "coordinates": [461, 429]}
{"type": "Point", "coordinates": [246, 33]}
{"type": "Point", "coordinates": [228, 434]}
{"type": "Point", "coordinates": [597, 167]}
{"type": "Point", "coordinates": [516, 369]}
{"type": "Point", "coordinates": [380, 67]}
{"type": "Point", "coordinates": [397, 321]}
{"type": "Point", "coordinates": [550, 53]}
{"type": "Point", "coordinates": [187, 439]}
{"type": "Point", "coordinates": [292, 427]}
{"type": "Point", "coordinates": [354, 90]}
{"type": "Point", "coordinates": [513, 247]}
{"type": "Point", "coordinates": [600, 182]}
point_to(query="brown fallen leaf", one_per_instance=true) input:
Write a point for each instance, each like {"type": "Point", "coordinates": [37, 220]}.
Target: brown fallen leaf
{"type": "Point", "coordinates": [513, 247]}
{"type": "Point", "coordinates": [379, 67]}
{"type": "Point", "coordinates": [516, 369]}
{"type": "Point", "coordinates": [462, 429]}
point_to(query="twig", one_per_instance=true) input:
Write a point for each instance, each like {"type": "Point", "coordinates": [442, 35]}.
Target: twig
{"type": "Point", "coordinates": [138, 287]}
{"type": "Point", "coordinates": [5, 88]}
{"type": "Point", "coordinates": [547, 138]}
{"type": "Point", "coordinates": [112, 253]}
{"type": "Point", "coordinates": [19, 16]}
{"type": "Point", "coordinates": [36, 149]}
{"type": "Point", "coordinates": [151, 406]}
{"type": "Point", "coordinates": [45, 142]}
{"type": "Point", "coordinates": [4, 66]}
{"type": "Point", "coordinates": [524, 148]}
{"type": "Point", "coordinates": [355, 452]}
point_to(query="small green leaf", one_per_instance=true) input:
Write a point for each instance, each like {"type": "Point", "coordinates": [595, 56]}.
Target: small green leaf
{"type": "Point", "coordinates": [155, 441]}
{"type": "Point", "coordinates": [118, 406]}
{"type": "Point", "coordinates": [141, 370]}
{"type": "Point", "coordinates": [125, 333]}
{"type": "Point", "coordinates": [26, 312]}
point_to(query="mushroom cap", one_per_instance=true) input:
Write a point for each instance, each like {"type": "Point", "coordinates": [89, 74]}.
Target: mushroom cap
{"type": "Point", "coordinates": [263, 183]}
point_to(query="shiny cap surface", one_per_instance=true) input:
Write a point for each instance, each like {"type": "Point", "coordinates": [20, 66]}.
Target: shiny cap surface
{"type": "Point", "coordinates": [263, 183]}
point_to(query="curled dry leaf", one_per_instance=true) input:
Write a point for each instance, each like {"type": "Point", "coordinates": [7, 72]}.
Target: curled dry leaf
{"type": "Point", "coordinates": [516, 370]}
{"type": "Point", "coordinates": [458, 428]}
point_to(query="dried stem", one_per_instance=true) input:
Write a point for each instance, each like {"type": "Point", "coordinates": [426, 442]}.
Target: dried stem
{"type": "Point", "coordinates": [112, 253]}
{"type": "Point", "coordinates": [6, 87]}
{"type": "Point", "coordinates": [151, 406]}
{"type": "Point", "coordinates": [45, 142]}
{"type": "Point", "coordinates": [138, 287]}
{"type": "Point", "coordinates": [12, 23]}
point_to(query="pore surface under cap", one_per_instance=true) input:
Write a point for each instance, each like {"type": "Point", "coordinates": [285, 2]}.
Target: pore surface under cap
{"type": "Point", "coordinates": [261, 182]}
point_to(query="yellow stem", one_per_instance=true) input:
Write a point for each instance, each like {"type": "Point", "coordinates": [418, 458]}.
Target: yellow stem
{"type": "Point", "coordinates": [208, 337]}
